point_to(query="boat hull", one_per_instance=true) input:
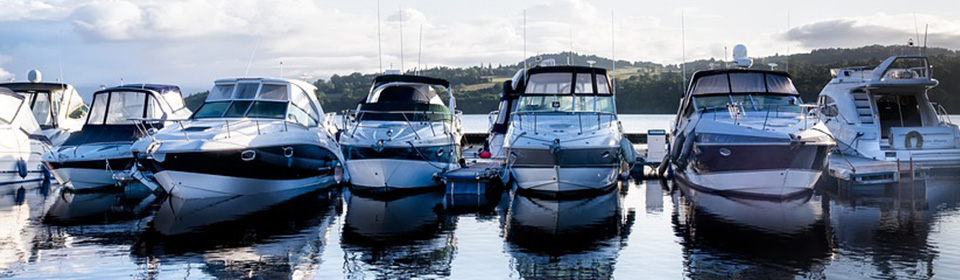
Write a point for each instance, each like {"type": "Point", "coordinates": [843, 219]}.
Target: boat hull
{"type": "Point", "coordinates": [84, 178]}
{"type": "Point", "coordinates": [395, 173]}
{"type": "Point", "coordinates": [565, 179]}
{"type": "Point", "coordinates": [763, 170]}
{"type": "Point", "coordinates": [188, 185]}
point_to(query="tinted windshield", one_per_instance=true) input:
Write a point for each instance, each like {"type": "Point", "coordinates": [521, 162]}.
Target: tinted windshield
{"type": "Point", "coordinates": [566, 103]}
{"type": "Point", "coordinates": [749, 102]}
{"type": "Point", "coordinates": [744, 82]}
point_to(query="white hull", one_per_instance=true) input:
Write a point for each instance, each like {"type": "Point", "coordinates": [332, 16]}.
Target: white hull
{"type": "Point", "coordinates": [562, 179]}
{"type": "Point", "coordinates": [394, 173]}
{"type": "Point", "coordinates": [188, 185]}
{"type": "Point", "coordinates": [767, 183]}
{"type": "Point", "coordinates": [84, 178]}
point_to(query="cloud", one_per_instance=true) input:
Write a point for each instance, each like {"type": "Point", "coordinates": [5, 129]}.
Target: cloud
{"type": "Point", "coordinates": [876, 29]}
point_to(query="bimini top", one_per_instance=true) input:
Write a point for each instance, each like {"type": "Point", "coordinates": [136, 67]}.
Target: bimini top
{"type": "Point", "coordinates": [122, 105]}
{"type": "Point", "coordinates": [733, 81]}
{"type": "Point", "coordinates": [384, 79]}
{"type": "Point", "coordinates": [553, 80]}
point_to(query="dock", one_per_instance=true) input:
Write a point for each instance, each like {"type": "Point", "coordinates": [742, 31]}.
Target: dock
{"type": "Point", "coordinates": [862, 170]}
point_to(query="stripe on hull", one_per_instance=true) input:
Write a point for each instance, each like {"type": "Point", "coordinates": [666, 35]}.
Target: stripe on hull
{"type": "Point", "coordinates": [267, 163]}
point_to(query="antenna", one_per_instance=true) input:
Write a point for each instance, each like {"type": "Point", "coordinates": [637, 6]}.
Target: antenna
{"type": "Point", "coordinates": [420, 51]}
{"type": "Point", "coordinates": [787, 66]}
{"type": "Point", "coordinates": [683, 57]}
{"type": "Point", "coordinates": [916, 29]}
{"type": "Point", "coordinates": [63, 82]}
{"type": "Point", "coordinates": [401, 40]}
{"type": "Point", "coordinates": [250, 61]}
{"type": "Point", "coordinates": [926, 29]}
{"type": "Point", "coordinates": [379, 39]}
{"type": "Point", "coordinates": [613, 49]}
{"type": "Point", "coordinates": [570, 56]}
{"type": "Point", "coordinates": [281, 69]}
{"type": "Point", "coordinates": [525, 67]}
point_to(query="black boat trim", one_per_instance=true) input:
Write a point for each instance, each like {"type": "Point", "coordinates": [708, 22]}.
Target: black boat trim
{"type": "Point", "coordinates": [281, 162]}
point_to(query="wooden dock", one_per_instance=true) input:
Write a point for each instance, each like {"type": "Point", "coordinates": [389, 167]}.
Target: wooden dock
{"type": "Point", "coordinates": [862, 170]}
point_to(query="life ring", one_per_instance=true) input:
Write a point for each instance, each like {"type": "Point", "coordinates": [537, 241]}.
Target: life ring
{"type": "Point", "coordinates": [910, 135]}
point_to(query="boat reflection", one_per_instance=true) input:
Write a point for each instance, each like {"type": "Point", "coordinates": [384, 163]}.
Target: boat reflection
{"type": "Point", "coordinates": [565, 238]}
{"type": "Point", "coordinates": [891, 226]}
{"type": "Point", "coordinates": [271, 235]}
{"type": "Point", "coordinates": [397, 235]}
{"type": "Point", "coordinates": [21, 208]}
{"type": "Point", "coordinates": [730, 237]}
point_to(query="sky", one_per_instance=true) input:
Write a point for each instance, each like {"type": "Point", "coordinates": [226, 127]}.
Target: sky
{"type": "Point", "coordinates": [193, 42]}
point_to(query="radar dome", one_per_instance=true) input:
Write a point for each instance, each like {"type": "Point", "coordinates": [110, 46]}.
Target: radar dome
{"type": "Point", "coordinates": [34, 76]}
{"type": "Point", "coordinates": [740, 57]}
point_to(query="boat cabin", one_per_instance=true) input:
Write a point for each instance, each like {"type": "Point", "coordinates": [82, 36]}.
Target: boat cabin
{"type": "Point", "coordinates": [14, 114]}
{"type": "Point", "coordinates": [54, 105]}
{"type": "Point", "coordinates": [565, 89]}
{"type": "Point", "coordinates": [743, 90]}
{"type": "Point", "coordinates": [116, 111]}
{"type": "Point", "coordinates": [262, 98]}
{"type": "Point", "coordinates": [407, 98]}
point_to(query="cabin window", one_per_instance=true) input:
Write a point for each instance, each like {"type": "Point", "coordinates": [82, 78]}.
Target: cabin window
{"type": "Point", "coordinates": [211, 110]}
{"type": "Point", "coordinates": [549, 83]}
{"type": "Point", "coordinates": [267, 109]}
{"type": "Point", "coordinates": [98, 109]}
{"type": "Point", "coordinates": [712, 84]}
{"type": "Point", "coordinates": [713, 102]}
{"type": "Point", "coordinates": [584, 83]}
{"type": "Point", "coordinates": [780, 84]}
{"type": "Point", "coordinates": [9, 107]}
{"type": "Point", "coordinates": [124, 106]}
{"type": "Point", "coordinates": [603, 86]}
{"type": "Point", "coordinates": [594, 103]}
{"type": "Point", "coordinates": [546, 103]}
{"type": "Point", "coordinates": [297, 115]}
{"type": "Point", "coordinates": [273, 92]}
{"type": "Point", "coordinates": [237, 109]}
{"type": "Point", "coordinates": [828, 107]}
{"type": "Point", "coordinates": [154, 111]}
{"type": "Point", "coordinates": [221, 92]}
{"type": "Point", "coordinates": [41, 109]}
{"type": "Point", "coordinates": [246, 90]}
{"type": "Point", "coordinates": [747, 82]}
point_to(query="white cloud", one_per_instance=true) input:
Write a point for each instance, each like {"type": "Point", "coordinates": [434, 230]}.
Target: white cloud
{"type": "Point", "coordinates": [876, 29]}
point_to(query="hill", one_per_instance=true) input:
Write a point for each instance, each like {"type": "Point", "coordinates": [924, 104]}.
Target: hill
{"type": "Point", "coordinates": [646, 87]}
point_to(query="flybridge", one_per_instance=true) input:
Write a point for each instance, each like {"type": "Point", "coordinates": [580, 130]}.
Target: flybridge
{"type": "Point", "coordinates": [896, 70]}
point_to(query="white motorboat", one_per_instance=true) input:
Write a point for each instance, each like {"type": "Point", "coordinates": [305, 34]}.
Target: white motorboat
{"type": "Point", "coordinates": [884, 114]}
{"type": "Point", "coordinates": [91, 157]}
{"type": "Point", "coordinates": [22, 143]}
{"type": "Point", "coordinates": [250, 136]}
{"type": "Point", "coordinates": [403, 135]}
{"type": "Point", "coordinates": [57, 107]}
{"type": "Point", "coordinates": [745, 131]}
{"type": "Point", "coordinates": [563, 134]}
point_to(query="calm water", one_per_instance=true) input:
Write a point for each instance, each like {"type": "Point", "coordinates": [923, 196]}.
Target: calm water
{"type": "Point", "coordinates": [644, 229]}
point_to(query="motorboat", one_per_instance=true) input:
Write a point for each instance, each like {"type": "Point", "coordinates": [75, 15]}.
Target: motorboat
{"type": "Point", "coordinates": [22, 143]}
{"type": "Point", "coordinates": [403, 135]}
{"type": "Point", "coordinates": [884, 113]}
{"type": "Point", "coordinates": [563, 135]}
{"type": "Point", "coordinates": [250, 136]}
{"type": "Point", "coordinates": [746, 131]}
{"type": "Point", "coordinates": [57, 107]}
{"type": "Point", "coordinates": [90, 158]}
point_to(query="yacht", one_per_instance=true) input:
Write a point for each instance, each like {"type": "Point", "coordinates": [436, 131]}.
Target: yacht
{"type": "Point", "coordinates": [884, 113]}
{"type": "Point", "coordinates": [563, 134]}
{"type": "Point", "coordinates": [91, 157]}
{"type": "Point", "coordinates": [403, 135]}
{"type": "Point", "coordinates": [250, 136]}
{"type": "Point", "coordinates": [22, 143]}
{"type": "Point", "coordinates": [57, 107]}
{"type": "Point", "coordinates": [745, 131]}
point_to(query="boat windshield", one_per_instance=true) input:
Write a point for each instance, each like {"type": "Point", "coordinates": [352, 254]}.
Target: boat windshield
{"type": "Point", "coordinates": [9, 107]}
{"type": "Point", "coordinates": [256, 99]}
{"type": "Point", "coordinates": [123, 107]}
{"type": "Point", "coordinates": [565, 92]}
{"type": "Point", "coordinates": [755, 102]}
{"type": "Point", "coordinates": [566, 103]}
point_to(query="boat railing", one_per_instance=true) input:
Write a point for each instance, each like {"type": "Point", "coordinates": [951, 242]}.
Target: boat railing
{"type": "Point", "coordinates": [737, 112]}
{"type": "Point", "coordinates": [611, 118]}
{"type": "Point", "coordinates": [352, 120]}
{"type": "Point", "coordinates": [942, 114]}
{"type": "Point", "coordinates": [149, 127]}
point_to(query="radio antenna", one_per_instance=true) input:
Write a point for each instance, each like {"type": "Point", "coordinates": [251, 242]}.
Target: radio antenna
{"type": "Point", "coordinates": [613, 50]}
{"type": "Point", "coordinates": [525, 45]}
{"type": "Point", "coordinates": [401, 40]}
{"type": "Point", "coordinates": [683, 56]}
{"type": "Point", "coordinates": [787, 66]}
{"type": "Point", "coordinates": [926, 30]}
{"type": "Point", "coordinates": [916, 27]}
{"type": "Point", "coordinates": [379, 39]}
{"type": "Point", "coordinates": [420, 51]}
{"type": "Point", "coordinates": [250, 61]}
